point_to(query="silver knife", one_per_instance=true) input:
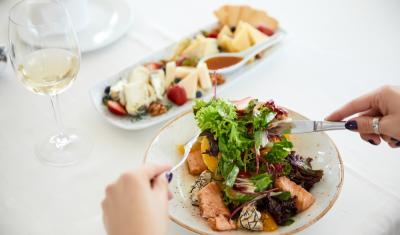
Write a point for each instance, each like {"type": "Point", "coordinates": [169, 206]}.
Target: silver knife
{"type": "Point", "coordinates": [304, 126]}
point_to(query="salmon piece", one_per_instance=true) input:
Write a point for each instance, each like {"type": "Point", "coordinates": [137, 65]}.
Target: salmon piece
{"type": "Point", "coordinates": [211, 203]}
{"type": "Point", "coordinates": [304, 199]}
{"type": "Point", "coordinates": [221, 223]}
{"type": "Point", "coordinates": [195, 163]}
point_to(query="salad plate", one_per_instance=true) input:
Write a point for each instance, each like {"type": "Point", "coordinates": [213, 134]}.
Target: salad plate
{"type": "Point", "coordinates": [158, 108]}
{"type": "Point", "coordinates": [317, 146]}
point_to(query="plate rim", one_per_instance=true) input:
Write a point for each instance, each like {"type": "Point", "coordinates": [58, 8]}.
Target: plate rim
{"type": "Point", "coordinates": [116, 37]}
{"type": "Point", "coordinates": [311, 222]}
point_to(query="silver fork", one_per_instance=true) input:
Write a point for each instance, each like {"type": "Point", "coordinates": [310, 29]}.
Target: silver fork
{"type": "Point", "coordinates": [187, 147]}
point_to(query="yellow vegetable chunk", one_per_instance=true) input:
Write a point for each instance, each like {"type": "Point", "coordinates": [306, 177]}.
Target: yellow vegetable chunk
{"type": "Point", "coordinates": [210, 161]}
{"type": "Point", "coordinates": [287, 136]}
{"type": "Point", "coordinates": [196, 146]}
{"type": "Point", "coordinates": [181, 149]}
{"type": "Point", "coordinates": [269, 223]}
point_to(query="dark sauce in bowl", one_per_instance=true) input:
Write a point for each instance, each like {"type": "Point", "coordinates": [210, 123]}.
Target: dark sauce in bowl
{"type": "Point", "coordinates": [215, 63]}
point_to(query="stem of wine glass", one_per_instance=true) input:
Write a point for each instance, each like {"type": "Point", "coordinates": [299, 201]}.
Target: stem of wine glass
{"type": "Point", "coordinates": [60, 140]}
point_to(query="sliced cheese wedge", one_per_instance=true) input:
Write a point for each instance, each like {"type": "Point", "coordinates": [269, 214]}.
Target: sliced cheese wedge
{"type": "Point", "coordinates": [170, 73]}
{"type": "Point", "coordinates": [254, 34]}
{"type": "Point", "coordinates": [189, 83]}
{"type": "Point", "coordinates": [139, 74]}
{"type": "Point", "coordinates": [151, 95]}
{"type": "Point", "coordinates": [157, 80]}
{"type": "Point", "coordinates": [196, 47]}
{"type": "Point", "coordinates": [117, 90]}
{"type": "Point", "coordinates": [204, 76]}
{"type": "Point", "coordinates": [136, 96]}
{"type": "Point", "coordinates": [241, 41]}
{"type": "Point", "coordinates": [183, 71]}
{"type": "Point", "coordinates": [211, 47]}
{"type": "Point", "coordinates": [226, 31]}
{"type": "Point", "coordinates": [225, 42]}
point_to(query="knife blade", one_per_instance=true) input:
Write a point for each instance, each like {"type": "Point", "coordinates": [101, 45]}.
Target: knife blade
{"type": "Point", "coordinates": [305, 126]}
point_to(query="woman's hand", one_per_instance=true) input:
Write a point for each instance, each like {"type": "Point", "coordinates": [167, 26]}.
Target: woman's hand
{"type": "Point", "coordinates": [138, 202]}
{"type": "Point", "coordinates": [383, 103]}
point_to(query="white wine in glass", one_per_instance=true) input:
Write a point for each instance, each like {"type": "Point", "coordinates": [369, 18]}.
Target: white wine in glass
{"type": "Point", "coordinates": [45, 55]}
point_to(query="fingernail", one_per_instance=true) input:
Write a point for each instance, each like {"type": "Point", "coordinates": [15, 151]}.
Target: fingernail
{"type": "Point", "coordinates": [393, 139]}
{"type": "Point", "coordinates": [372, 142]}
{"type": "Point", "coordinates": [351, 125]}
{"type": "Point", "coordinates": [398, 144]}
{"type": "Point", "coordinates": [169, 176]}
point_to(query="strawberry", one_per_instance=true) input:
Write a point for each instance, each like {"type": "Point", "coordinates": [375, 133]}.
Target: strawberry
{"type": "Point", "coordinates": [265, 30]}
{"type": "Point", "coordinates": [177, 95]}
{"type": "Point", "coordinates": [116, 108]}
{"type": "Point", "coordinates": [154, 66]}
{"type": "Point", "coordinates": [180, 60]}
{"type": "Point", "coordinates": [213, 34]}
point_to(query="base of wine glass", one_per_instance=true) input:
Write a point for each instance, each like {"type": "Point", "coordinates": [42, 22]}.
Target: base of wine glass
{"type": "Point", "coordinates": [63, 149]}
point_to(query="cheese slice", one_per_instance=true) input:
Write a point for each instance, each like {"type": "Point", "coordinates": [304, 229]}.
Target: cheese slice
{"type": "Point", "coordinates": [151, 95]}
{"type": "Point", "coordinates": [136, 96]}
{"type": "Point", "coordinates": [225, 43]}
{"type": "Point", "coordinates": [117, 90]}
{"type": "Point", "coordinates": [180, 47]}
{"type": "Point", "coordinates": [183, 71]}
{"type": "Point", "coordinates": [196, 47]}
{"type": "Point", "coordinates": [241, 41]}
{"type": "Point", "coordinates": [240, 27]}
{"type": "Point", "coordinates": [189, 83]}
{"type": "Point", "coordinates": [139, 74]}
{"type": "Point", "coordinates": [211, 47]}
{"type": "Point", "coordinates": [204, 76]}
{"type": "Point", "coordinates": [254, 34]}
{"type": "Point", "coordinates": [170, 73]}
{"type": "Point", "coordinates": [225, 31]}
{"type": "Point", "coordinates": [157, 79]}
{"type": "Point", "coordinates": [222, 35]}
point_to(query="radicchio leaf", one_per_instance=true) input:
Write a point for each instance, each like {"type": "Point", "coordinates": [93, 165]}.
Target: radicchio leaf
{"type": "Point", "coordinates": [214, 150]}
{"type": "Point", "coordinates": [302, 172]}
{"type": "Point", "coordinates": [281, 210]}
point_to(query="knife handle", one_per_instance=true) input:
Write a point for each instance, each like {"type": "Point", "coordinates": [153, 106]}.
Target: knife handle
{"type": "Point", "coordinates": [328, 126]}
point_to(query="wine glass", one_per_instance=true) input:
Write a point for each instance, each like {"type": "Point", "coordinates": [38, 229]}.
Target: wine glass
{"type": "Point", "coordinates": [45, 55]}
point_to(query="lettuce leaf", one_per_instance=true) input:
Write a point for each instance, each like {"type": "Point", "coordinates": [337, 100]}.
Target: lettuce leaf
{"type": "Point", "coordinates": [261, 181]}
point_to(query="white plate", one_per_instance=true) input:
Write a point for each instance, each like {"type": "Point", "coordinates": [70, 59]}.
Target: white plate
{"type": "Point", "coordinates": [128, 123]}
{"type": "Point", "coordinates": [318, 146]}
{"type": "Point", "coordinates": [108, 21]}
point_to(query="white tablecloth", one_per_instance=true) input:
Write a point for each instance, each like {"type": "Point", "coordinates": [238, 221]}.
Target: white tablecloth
{"type": "Point", "coordinates": [335, 51]}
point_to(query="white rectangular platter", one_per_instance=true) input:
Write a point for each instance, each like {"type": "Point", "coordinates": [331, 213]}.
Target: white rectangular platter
{"type": "Point", "coordinates": [131, 123]}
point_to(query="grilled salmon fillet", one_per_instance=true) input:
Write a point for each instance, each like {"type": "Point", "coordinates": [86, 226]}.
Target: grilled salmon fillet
{"type": "Point", "coordinates": [221, 223]}
{"type": "Point", "coordinates": [211, 203]}
{"type": "Point", "coordinates": [195, 163]}
{"type": "Point", "coordinates": [304, 199]}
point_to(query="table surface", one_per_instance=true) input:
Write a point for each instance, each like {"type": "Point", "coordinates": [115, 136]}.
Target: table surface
{"type": "Point", "coordinates": [335, 51]}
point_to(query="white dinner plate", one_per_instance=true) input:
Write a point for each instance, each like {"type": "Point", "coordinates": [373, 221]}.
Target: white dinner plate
{"type": "Point", "coordinates": [318, 146]}
{"type": "Point", "coordinates": [108, 21]}
{"type": "Point", "coordinates": [130, 123]}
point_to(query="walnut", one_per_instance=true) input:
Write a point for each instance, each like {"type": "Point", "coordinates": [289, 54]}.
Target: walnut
{"type": "Point", "coordinates": [219, 78]}
{"type": "Point", "coordinates": [156, 108]}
